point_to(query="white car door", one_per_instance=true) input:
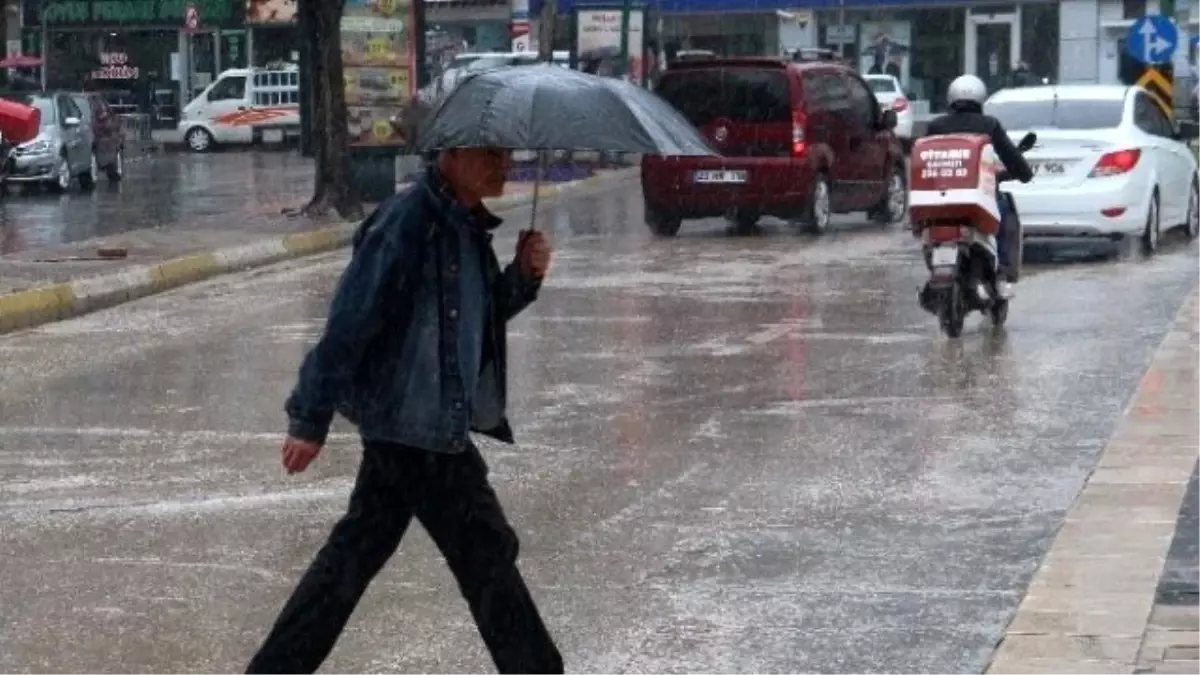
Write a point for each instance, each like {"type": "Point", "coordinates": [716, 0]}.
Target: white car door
{"type": "Point", "coordinates": [227, 110]}
{"type": "Point", "coordinates": [1169, 165]}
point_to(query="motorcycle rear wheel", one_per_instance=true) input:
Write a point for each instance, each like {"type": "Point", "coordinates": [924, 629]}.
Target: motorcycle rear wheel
{"type": "Point", "coordinates": [999, 312]}
{"type": "Point", "coordinates": [953, 313]}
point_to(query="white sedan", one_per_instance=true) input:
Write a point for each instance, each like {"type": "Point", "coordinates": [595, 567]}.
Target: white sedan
{"type": "Point", "coordinates": [1108, 164]}
{"type": "Point", "coordinates": [890, 96]}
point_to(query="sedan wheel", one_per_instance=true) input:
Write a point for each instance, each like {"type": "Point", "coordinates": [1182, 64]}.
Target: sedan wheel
{"type": "Point", "coordinates": [1153, 230]}
{"type": "Point", "coordinates": [62, 176]}
{"type": "Point", "coordinates": [1193, 211]}
{"type": "Point", "coordinates": [87, 179]}
{"type": "Point", "coordinates": [116, 170]}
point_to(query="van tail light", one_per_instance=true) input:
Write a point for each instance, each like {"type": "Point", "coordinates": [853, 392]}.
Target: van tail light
{"type": "Point", "coordinates": [1116, 163]}
{"type": "Point", "coordinates": [799, 121]}
{"type": "Point", "coordinates": [900, 105]}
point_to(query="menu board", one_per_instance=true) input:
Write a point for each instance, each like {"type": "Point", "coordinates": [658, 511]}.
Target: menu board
{"type": "Point", "coordinates": [377, 55]}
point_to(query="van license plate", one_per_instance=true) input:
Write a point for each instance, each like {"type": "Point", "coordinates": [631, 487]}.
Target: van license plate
{"type": "Point", "coordinates": [944, 256]}
{"type": "Point", "coordinates": [719, 176]}
{"type": "Point", "coordinates": [273, 136]}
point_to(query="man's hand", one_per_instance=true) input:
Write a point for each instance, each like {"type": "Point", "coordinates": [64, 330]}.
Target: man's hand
{"type": "Point", "coordinates": [298, 454]}
{"type": "Point", "coordinates": [533, 254]}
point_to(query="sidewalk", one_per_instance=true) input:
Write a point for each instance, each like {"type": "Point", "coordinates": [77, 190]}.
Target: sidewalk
{"type": "Point", "coordinates": [48, 284]}
{"type": "Point", "coordinates": [1111, 595]}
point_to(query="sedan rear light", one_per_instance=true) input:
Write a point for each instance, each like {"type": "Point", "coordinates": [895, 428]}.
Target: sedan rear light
{"type": "Point", "coordinates": [900, 105]}
{"type": "Point", "coordinates": [1116, 163]}
{"type": "Point", "coordinates": [799, 120]}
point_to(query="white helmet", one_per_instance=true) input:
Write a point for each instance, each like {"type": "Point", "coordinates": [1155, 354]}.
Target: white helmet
{"type": "Point", "coordinates": [967, 88]}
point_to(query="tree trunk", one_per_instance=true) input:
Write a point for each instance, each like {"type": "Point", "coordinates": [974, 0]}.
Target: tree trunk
{"type": "Point", "coordinates": [331, 135]}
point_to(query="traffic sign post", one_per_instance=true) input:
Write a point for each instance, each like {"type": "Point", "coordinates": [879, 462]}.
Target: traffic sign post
{"type": "Point", "coordinates": [1152, 39]}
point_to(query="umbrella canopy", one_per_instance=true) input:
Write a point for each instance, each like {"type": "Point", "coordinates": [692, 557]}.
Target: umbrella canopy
{"type": "Point", "coordinates": [546, 107]}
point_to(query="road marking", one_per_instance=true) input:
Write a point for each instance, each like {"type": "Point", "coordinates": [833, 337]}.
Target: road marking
{"type": "Point", "coordinates": [770, 334]}
{"type": "Point", "coordinates": [787, 327]}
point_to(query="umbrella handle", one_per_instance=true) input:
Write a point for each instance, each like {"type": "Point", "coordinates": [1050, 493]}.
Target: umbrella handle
{"type": "Point", "coordinates": [537, 185]}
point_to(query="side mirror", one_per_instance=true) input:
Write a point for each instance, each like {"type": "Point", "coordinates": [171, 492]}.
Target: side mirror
{"type": "Point", "coordinates": [888, 120]}
{"type": "Point", "coordinates": [1027, 142]}
{"type": "Point", "coordinates": [71, 122]}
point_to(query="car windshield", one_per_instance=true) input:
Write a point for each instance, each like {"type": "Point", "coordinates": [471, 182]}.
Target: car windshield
{"type": "Point", "coordinates": [1057, 114]}
{"type": "Point", "coordinates": [881, 85]}
{"type": "Point", "coordinates": [746, 95]}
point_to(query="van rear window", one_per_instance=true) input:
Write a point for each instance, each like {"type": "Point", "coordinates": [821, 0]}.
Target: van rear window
{"type": "Point", "coordinates": [747, 95]}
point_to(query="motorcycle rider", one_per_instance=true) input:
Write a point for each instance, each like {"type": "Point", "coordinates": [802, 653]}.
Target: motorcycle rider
{"type": "Point", "coordinates": [966, 96]}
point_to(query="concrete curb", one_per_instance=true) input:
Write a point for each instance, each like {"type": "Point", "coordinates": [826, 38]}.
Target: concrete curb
{"type": "Point", "coordinates": [44, 304]}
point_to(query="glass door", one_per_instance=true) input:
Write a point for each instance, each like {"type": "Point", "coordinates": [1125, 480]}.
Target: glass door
{"type": "Point", "coordinates": [992, 48]}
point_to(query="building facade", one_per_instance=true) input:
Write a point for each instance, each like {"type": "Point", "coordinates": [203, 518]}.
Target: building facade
{"type": "Point", "coordinates": [925, 43]}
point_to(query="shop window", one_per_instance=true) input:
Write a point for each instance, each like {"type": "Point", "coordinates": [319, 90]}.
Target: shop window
{"type": "Point", "coordinates": [1040, 27]}
{"type": "Point", "coordinates": [1133, 9]}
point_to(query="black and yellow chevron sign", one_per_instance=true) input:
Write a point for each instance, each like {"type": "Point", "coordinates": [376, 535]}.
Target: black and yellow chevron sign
{"type": "Point", "coordinates": [1158, 84]}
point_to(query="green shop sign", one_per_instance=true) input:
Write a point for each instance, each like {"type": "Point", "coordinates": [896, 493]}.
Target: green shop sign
{"type": "Point", "coordinates": [109, 12]}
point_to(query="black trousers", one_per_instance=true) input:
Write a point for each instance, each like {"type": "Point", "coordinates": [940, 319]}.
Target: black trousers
{"type": "Point", "coordinates": [451, 496]}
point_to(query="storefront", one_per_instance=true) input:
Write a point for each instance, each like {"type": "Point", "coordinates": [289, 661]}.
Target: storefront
{"type": "Point", "coordinates": [927, 47]}
{"type": "Point", "coordinates": [137, 51]}
{"type": "Point", "coordinates": [925, 43]}
{"type": "Point", "coordinates": [476, 25]}
{"type": "Point", "coordinates": [271, 33]}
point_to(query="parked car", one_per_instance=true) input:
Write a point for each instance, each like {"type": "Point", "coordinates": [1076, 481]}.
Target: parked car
{"type": "Point", "coordinates": [891, 96]}
{"type": "Point", "coordinates": [108, 138]}
{"type": "Point", "coordinates": [61, 151]}
{"type": "Point", "coordinates": [800, 141]}
{"type": "Point", "coordinates": [1108, 164]}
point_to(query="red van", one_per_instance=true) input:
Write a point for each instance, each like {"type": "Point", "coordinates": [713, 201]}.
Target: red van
{"type": "Point", "coordinates": [801, 140]}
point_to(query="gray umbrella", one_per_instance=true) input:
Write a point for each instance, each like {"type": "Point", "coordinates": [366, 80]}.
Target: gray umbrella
{"type": "Point", "coordinates": [546, 107]}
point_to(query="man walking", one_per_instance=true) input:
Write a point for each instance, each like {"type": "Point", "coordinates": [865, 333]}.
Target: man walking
{"type": "Point", "coordinates": [413, 353]}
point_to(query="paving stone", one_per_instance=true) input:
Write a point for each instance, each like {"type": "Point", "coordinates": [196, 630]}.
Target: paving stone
{"type": "Point", "coordinates": [1070, 648]}
{"type": "Point", "coordinates": [1175, 617]}
{"type": "Point", "coordinates": [1063, 666]}
{"type": "Point", "coordinates": [1037, 622]}
{"type": "Point", "coordinates": [1182, 654]}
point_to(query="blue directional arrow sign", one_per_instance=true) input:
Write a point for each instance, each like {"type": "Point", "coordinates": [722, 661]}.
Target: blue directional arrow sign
{"type": "Point", "coordinates": [1152, 39]}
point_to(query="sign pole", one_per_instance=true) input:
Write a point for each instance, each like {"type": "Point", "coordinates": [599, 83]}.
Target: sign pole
{"type": "Point", "coordinates": [45, 31]}
{"type": "Point", "coordinates": [626, 10]}
{"type": "Point", "coordinates": [1179, 65]}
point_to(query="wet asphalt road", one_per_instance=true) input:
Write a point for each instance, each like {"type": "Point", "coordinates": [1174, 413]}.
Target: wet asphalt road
{"type": "Point", "coordinates": [158, 191]}
{"type": "Point", "coordinates": [750, 454]}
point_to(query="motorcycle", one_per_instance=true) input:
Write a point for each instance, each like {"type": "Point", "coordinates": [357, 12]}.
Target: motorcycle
{"type": "Point", "coordinates": [955, 206]}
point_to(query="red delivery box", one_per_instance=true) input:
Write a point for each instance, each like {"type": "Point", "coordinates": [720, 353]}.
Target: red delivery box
{"type": "Point", "coordinates": [953, 177]}
{"type": "Point", "coordinates": [19, 122]}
